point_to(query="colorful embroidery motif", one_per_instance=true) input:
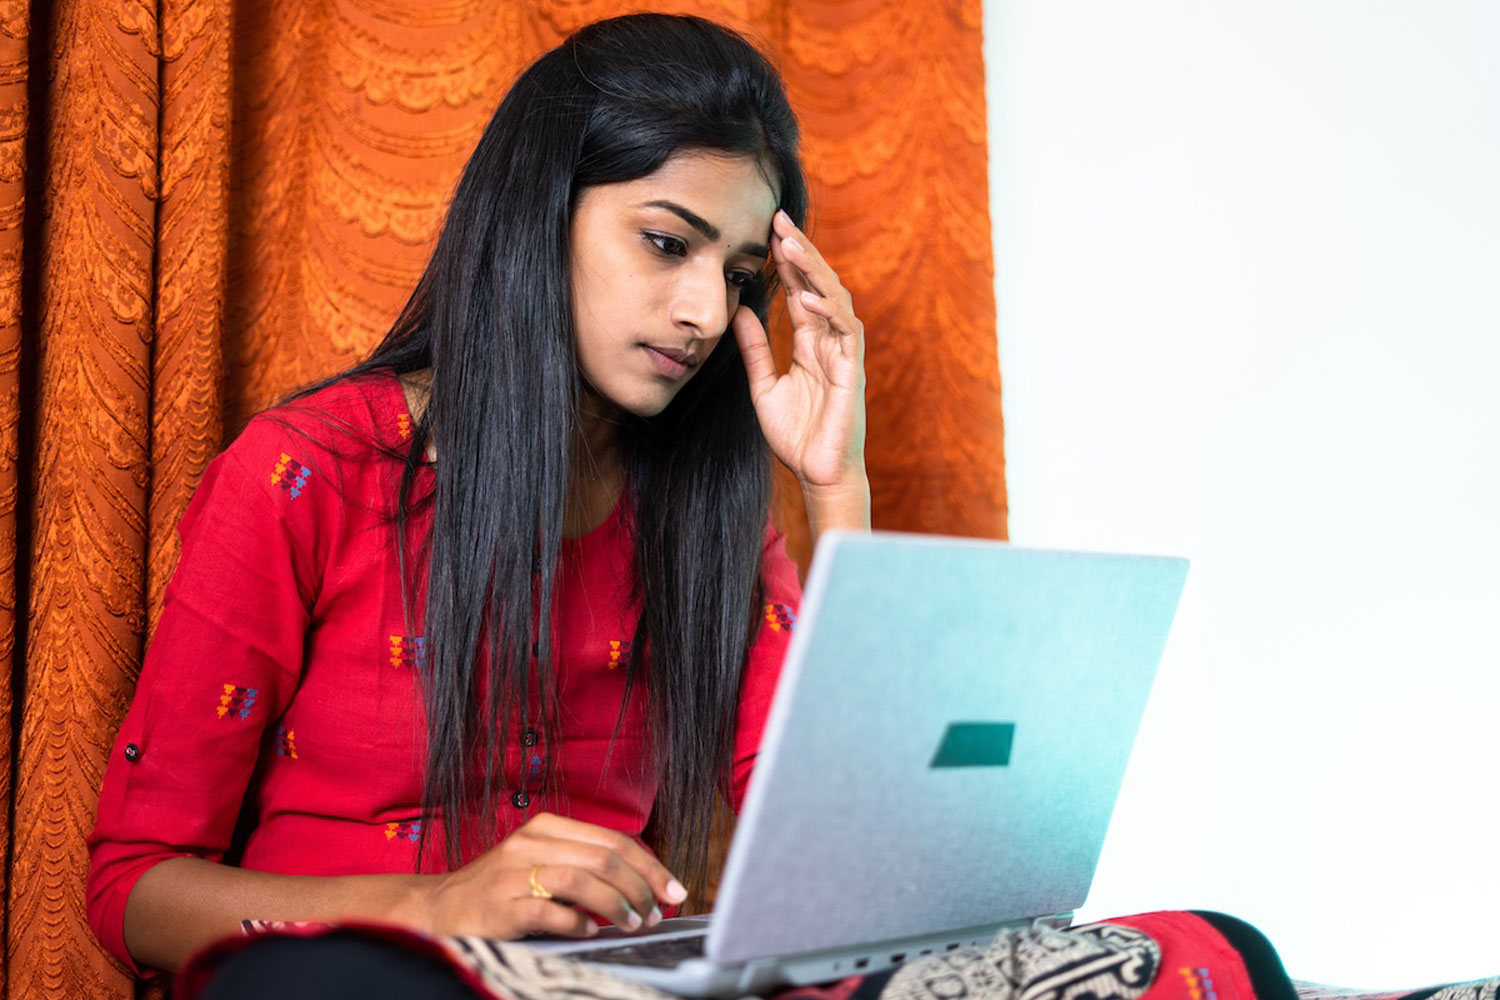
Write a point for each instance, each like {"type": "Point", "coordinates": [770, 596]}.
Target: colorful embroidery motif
{"type": "Point", "coordinates": [619, 653]}
{"type": "Point", "coordinates": [411, 831]}
{"type": "Point", "coordinates": [237, 701]}
{"type": "Point", "coordinates": [286, 742]}
{"type": "Point", "coordinates": [780, 617]}
{"type": "Point", "coordinates": [1199, 983]}
{"type": "Point", "coordinates": [403, 426]}
{"type": "Point", "coordinates": [408, 651]}
{"type": "Point", "coordinates": [291, 475]}
{"type": "Point", "coordinates": [534, 771]}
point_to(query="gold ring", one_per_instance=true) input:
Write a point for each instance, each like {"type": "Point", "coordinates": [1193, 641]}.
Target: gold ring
{"type": "Point", "coordinates": [537, 889]}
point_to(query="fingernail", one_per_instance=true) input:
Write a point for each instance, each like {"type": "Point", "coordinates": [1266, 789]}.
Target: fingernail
{"type": "Point", "coordinates": [791, 241]}
{"type": "Point", "coordinates": [632, 919]}
{"type": "Point", "coordinates": [654, 917]}
{"type": "Point", "coordinates": [808, 295]}
{"type": "Point", "coordinates": [781, 214]}
{"type": "Point", "coordinates": [590, 928]}
{"type": "Point", "coordinates": [676, 892]}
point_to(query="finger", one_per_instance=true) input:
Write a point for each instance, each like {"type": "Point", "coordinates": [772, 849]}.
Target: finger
{"type": "Point", "coordinates": [794, 283]}
{"type": "Point", "coordinates": [840, 317]}
{"type": "Point", "coordinates": [663, 884]}
{"type": "Point", "coordinates": [837, 317]}
{"type": "Point", "coordinates": [816, 274]}
{"type": "Point", "coordinates": [784, 228]}
{"type": "Point", "coordinates": [626, 898]}
{"type": "Point", "coordinates": [847, 330]}
{"type": "Point", "coordinates": [791, 277]}
{"type": "Point", "coordinates": [755, 349]}
{"type": "Point", "coordinates": [586, 889]}
{"type": "Point", "coordinates": [548, 916]}
{"type": "Point", "coordinates": [800, 251]}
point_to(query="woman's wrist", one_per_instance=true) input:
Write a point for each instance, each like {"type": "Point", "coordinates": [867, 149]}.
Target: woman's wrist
{"type": "Point", "coordinates": [411, 902]}
{"type": "Point", "coordinates": [843, 505]}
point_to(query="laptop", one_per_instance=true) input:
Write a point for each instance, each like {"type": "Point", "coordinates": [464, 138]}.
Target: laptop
{"type": "Point", "coordinates": [940, 763]}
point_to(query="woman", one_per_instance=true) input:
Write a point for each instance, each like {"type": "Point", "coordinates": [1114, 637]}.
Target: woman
{"type": "Point", "coordinates": [449, 628]}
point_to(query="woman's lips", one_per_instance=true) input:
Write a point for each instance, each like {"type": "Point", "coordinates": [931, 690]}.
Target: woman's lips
{"type": "Point", "coordinates": [672, 364]}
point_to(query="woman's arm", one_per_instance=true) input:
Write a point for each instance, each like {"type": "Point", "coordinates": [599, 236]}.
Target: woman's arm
{"type": "Point", "coordinates": [813, 415]}
{"type": "Point", "coordinates": [224, 668]}
{"type": "Point", "coordinates": [183, 904]}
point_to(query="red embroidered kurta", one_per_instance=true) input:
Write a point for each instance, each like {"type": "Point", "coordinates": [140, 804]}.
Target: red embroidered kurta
{"type": "Point", "coordinates": [282, 680]}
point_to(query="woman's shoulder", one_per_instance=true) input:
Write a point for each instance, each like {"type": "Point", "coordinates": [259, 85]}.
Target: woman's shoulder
{"type": "Point", "coordinates": [330, 433]}
{"type": "Point", "coordinates": [352, 417]}
{"type": "Point", "coordinates": [370, 405]}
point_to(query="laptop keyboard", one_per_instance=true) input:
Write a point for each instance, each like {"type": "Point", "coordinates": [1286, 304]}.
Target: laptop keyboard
{"type": "Point", "coordinates": [658, 953]}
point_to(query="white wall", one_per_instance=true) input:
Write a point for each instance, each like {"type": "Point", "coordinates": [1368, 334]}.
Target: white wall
{"type": "Point", "coordinates": [1248, 273]}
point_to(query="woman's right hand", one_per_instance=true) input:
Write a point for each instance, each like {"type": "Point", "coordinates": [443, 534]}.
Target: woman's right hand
{"type": "Point", "coordinates": [587, 869]}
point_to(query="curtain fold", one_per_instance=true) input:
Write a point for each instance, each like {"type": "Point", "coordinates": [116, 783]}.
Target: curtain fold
{"type": "Point", "coordinates": [205, 203]}
{"type": "Point", "coordinates": [14, 39]}
{"type": "Point", "coordinates": [95, 181]}
{"type": "Point", "coordinates": [192, 253]}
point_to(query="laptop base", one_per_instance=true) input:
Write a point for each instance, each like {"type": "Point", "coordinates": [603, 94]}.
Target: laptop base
{"type": "Point", "coordinates": [705, 977]}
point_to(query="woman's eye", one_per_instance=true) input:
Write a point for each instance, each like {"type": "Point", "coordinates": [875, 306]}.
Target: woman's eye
{"type": "Point", "coordinates": [669, 245]}
{"type": "Point", "coordinates": [742, 279]}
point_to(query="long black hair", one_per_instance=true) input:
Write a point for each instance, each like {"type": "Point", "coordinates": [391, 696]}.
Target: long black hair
{"type": "Point", "coordinates": [491, 320]}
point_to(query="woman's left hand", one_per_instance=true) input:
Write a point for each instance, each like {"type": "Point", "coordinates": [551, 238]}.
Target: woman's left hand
{"type": "Point", "coordinates": [813, 415]}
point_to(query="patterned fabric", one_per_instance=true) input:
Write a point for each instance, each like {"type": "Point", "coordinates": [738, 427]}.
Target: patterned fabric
{"type": "Point", "coordinates": [1314, 991]}
{"type": "Point", "coordinates": [284, 664]}
{"type": "Point", "coordinates": [1098, 962]}
{"type": "Point", "coordinates": [1153, 956]}
{"type": "Point", "coordinates": [1479, 989]}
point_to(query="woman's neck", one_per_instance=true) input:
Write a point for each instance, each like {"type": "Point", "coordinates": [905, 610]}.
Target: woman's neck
{"type": "Point", "coordinates": [598, 468]}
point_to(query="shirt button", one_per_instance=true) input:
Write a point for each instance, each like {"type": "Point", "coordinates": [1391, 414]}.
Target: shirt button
{"type": "Point", "coordinates": [529, 738]}
{"type": "Point", "coordinates": [132, 752]}
{"type": "Point", "coordinates": [520, 800]}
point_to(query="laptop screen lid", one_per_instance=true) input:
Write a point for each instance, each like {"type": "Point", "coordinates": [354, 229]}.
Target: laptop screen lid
{"type": "Point", "coordinates": [946, 743]}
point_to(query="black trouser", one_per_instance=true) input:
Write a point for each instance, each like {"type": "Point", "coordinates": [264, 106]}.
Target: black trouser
{"type": "Point", "coordinates": [332, 967]}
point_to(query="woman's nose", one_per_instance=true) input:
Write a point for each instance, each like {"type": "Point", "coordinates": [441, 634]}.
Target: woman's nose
{"type": "Point", "coordinates": [702, 302]}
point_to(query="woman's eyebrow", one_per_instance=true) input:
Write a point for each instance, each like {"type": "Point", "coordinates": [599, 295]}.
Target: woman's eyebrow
{"type": "Point", "coordinates": [708, 229]}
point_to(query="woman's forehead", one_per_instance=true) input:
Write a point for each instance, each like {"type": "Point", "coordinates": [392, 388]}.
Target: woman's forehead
{"type": "Point", "coordinates": [733, 193]}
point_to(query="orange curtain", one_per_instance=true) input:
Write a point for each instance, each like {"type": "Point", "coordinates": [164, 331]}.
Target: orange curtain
{"type": "Point", "coordinates": [205, 203]}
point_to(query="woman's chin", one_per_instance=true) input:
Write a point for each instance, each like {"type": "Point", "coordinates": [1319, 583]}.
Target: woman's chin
{"type": "Point", "coordinates": [641, 401]}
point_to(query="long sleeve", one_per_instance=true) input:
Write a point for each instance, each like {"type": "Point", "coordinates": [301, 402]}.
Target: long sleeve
{"type": "Point", "coordinates": [221, 669]}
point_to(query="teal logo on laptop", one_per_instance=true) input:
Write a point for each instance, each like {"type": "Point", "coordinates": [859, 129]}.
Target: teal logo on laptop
{"type": "Point", "coordinates": [976, 744]}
